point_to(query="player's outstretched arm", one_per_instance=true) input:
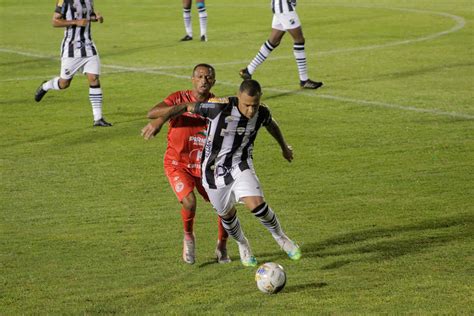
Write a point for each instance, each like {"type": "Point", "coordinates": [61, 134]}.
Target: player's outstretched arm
{"type": "Point", "coordinates": [275, 131]}
{"type": "Point", "coordinates": [154, 127]}
{"type": "Point", "coordinates": [158, 110]}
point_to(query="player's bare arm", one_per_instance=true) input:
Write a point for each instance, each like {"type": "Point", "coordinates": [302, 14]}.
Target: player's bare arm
{"type": "Point", "coordinates": [158, 110]}
{"type": "Point", "coordinates": [59, 21]}
{"type": "Point", "coordinates": [275, 131]}
{"type": "Point", "coordinates": [154, 127]}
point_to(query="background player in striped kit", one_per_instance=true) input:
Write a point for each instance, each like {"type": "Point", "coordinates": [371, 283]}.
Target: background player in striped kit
{"type": "Point", "coordinates": [201, 6]}
{"type": "Point", "coordinates": [285, 19]}
{"type": "Point", "coordinates": [78, 52]}
{"type": "Point", "coordinates": [228, 173]}
{"type": "Point", "coordinates": [182, 162]}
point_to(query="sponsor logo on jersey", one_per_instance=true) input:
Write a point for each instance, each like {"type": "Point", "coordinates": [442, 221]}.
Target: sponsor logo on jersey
{"type": "Point", "coordinates": [197, 140]}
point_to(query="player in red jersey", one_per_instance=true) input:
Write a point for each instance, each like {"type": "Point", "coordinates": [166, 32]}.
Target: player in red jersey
{"type": "Point", "coordinates": [182, 161]}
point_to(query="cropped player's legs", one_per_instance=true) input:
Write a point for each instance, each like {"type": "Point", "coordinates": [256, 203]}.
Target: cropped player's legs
{"type": "Point", "coordinates": [248, 190]}
{"type": "Point", "coordinates": [188, 212]}
{"type": "Point", "coordinates": [95, 97]}
{"type": "Point", "coordinates": [200, 5]}
{"type": "Point", "coordinates": [231, 223]}
{"type": "Point", "coordinates": [187, 20]}
{"type": "Point", "coordinates": [265, 50]}
{"type": "Point", "coordinates": [54, 84]}
{"type": "Point", "coordinates": [300, 57]}
{"type": "Point", "coordinates": [182, 184]}
{"type": "Point", "coordinates": [69, 66]}
{"type": "Point", "coordinates": [91, 69]}
{"type": "Point", "coordinates": [268, 218]}
{"type": "Point", "coordinates": [222, 235]}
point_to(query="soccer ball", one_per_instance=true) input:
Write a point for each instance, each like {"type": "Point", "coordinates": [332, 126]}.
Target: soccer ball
{"type": "Point", "coordinates": [270, 277]}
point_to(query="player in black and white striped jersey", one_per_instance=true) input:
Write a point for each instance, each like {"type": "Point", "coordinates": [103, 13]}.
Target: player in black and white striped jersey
{"type": "Point", "coordinates": [228, 173]}
{"type": "Point", "coordinates": [78, 52]}
{"type": "Point", "coordinates": [285, 19]}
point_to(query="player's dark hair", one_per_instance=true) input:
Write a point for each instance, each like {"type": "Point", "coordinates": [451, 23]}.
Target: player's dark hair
{"type": "Point", "coordinates": [205, 66]}
{"type": "Point", "coordinates": [250, 87]}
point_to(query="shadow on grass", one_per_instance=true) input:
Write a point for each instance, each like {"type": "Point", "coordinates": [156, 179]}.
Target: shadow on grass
{"type": "Point", "coordinates": [304, 287]}
{"type": "Point", "coordinates": [279, 95]}
{"type": "Point", "coordinates": [388, 243]}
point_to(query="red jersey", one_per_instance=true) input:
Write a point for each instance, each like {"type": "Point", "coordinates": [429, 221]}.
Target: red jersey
{"type": "Point", "coordinates": [186, 136]}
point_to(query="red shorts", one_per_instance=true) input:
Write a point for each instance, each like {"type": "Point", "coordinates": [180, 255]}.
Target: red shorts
{"type": "Point", "coordinates": [183, 182]}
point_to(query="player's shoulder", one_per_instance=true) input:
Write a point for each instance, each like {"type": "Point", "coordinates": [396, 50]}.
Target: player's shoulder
{"type": "Point", "coordinates": [181, 96]}
{"type": "Point", "coordinates": [60, 3]}
{"type": "Point", "coordinates": [264, 108]}
{"type": "Point", "coordinates": [214, 99]}
{"type": "Point", "coordinates": [264, 114]}
{"type": "Point", "coordinates": [181, 93]}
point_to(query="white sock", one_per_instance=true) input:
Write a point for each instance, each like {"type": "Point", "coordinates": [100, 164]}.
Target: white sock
{"type": "Point", "coordinates": [95, 96]}
{"type": "Point", "coordinates": [52, 84]}
{"type": "Point", "coordinates": [261, 56]}
{"type": "Point", "coordinates": [268, 218]}
{"type": "Point", "coordinates": [187, 21]}
{"type": "Point", "coordinates": [203, 21]}
{"type": "Point", "coordinates": [232, 226]}
{"type": "Point", "coordinates": [300, 57]}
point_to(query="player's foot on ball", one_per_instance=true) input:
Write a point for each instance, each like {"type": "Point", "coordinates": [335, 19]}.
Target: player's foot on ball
{"type": "Point", "coordinates": [245, 74]}
{"type": "Point", "coordinates": [246, 256]}
{"type": "Point", "coordinates": [203, 38]}
{"type": "Point", "coordinates": [310, 84]}
{"type": "Point", "coordinates": [186, 38]}
{"type": "Point", "coordinates": [292, 250]}
{"type": "Point", "coordinates": [39, 94]}
{"type": "Point", "coordinates": [189, 250]}
{"type": "Point", "coordinates": [102, 123]}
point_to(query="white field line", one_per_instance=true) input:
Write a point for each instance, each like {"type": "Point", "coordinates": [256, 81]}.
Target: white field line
{"type": "Point", "coordinates": [460, 23]}
{"type": "Point", "coordinates": [31, 78]}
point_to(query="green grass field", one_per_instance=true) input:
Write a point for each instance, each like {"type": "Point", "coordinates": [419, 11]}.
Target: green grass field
{"type": "Point", "coordinates": [380, 194]}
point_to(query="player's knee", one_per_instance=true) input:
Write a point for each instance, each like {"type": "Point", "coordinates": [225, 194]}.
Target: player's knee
{"type": "Point", "coordinates": [189, 203]}
{"type": "Point", "coordinates": [300, 41]}
{"type": "Point", "coordinates": [228, 214]}
{"type": "Point", "coordinates": [200, 4]}
{"type": "Point", "coordinates": [274, 42]}
{"type": "Point", "coordinates": [94, 81]}
{"type": "Point", "coordinates": [64, 83]}
{"type": "Point", "coordinates": [259, 207]}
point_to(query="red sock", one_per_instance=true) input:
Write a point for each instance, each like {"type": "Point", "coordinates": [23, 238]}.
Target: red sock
{"type": "Point", "coordinates": [222, 234]}
{"type": "Point", "coordinates": [188, 220]}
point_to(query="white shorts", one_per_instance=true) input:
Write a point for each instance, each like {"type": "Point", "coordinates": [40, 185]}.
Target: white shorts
{"type": "Point", "coordinates": [71, 65]}
{"type": "Point", "coordinates": [286, 21]}
{"type": "Point", "coordinates": [223, 199]}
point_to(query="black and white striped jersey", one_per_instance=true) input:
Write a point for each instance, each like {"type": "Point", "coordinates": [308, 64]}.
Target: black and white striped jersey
{"type": "Point", "coordinates": [283, 6]}
{"type": "Point", "coordinates": [230, 138]}
{"type": "Point", "coordinates": [77, 40]}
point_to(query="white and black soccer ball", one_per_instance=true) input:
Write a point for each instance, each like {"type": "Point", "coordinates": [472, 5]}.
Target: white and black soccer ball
{"type": "Point", "coordinates": [270, 277]}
